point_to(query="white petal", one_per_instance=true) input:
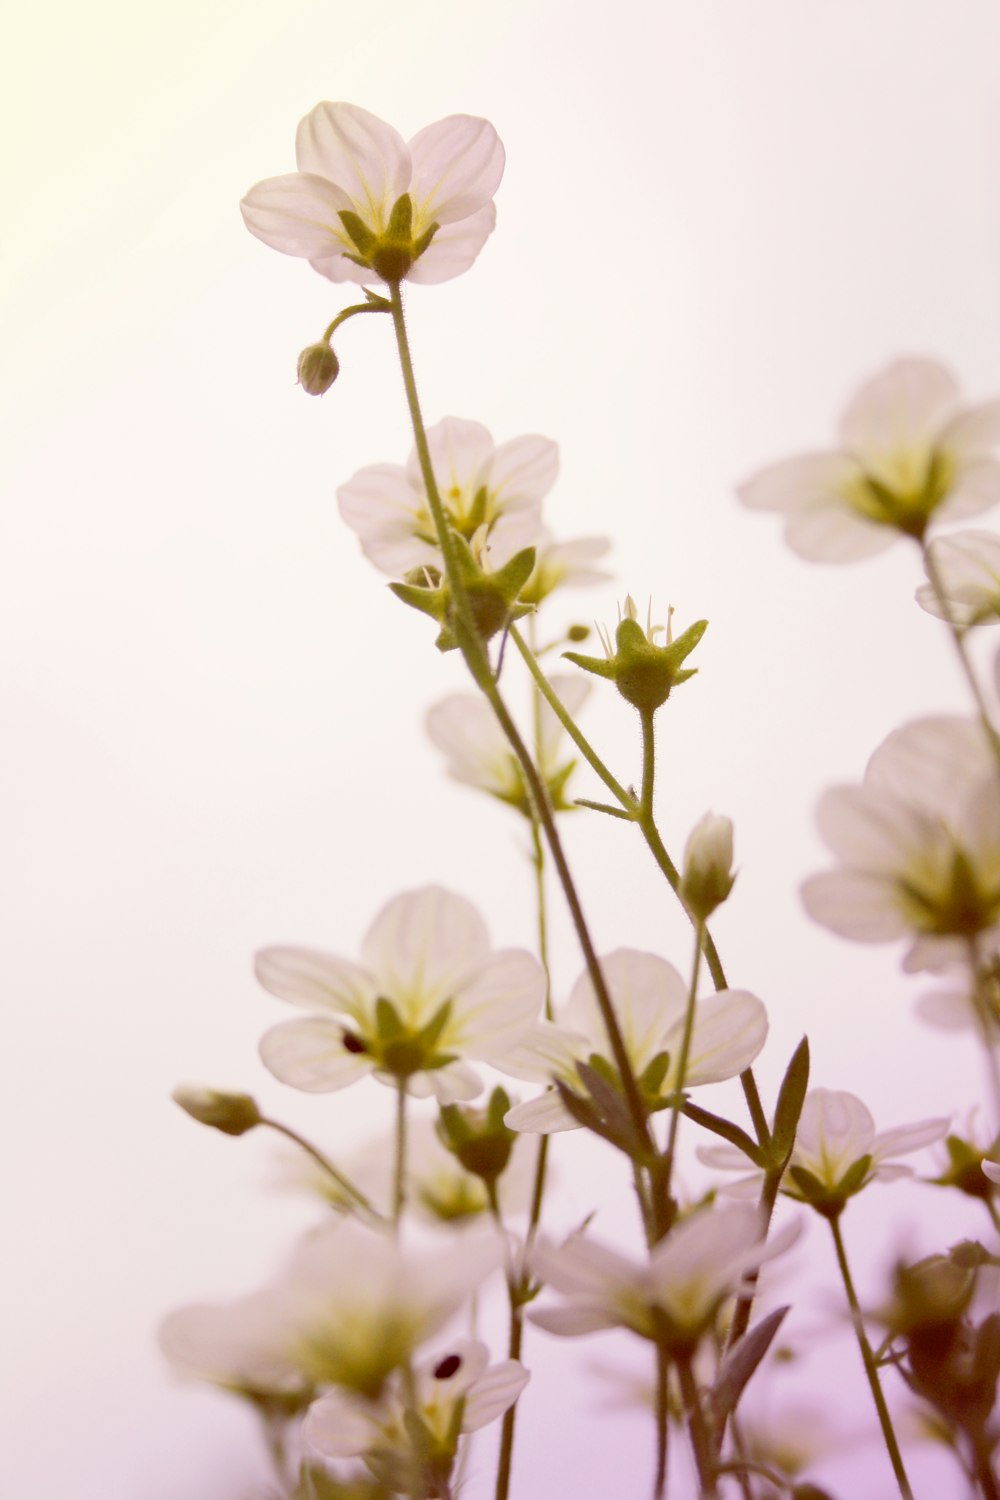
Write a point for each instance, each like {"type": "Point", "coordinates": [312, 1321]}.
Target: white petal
{"type": "Point", "coordinates": [454, 1084]}
{"type": "Point", "coordinates": [902, 407]}
{"type": "Point", "coordinates": [572, 693]}
{"type": "Point", "coordinates": [854, 905]}
{"type": "Point", "coordinates": [930, 763]}
{"type": "Point", "coordinates": [360, 153]}
{"type": "Point", "coordinates": [310, 1055]}
{"type": "Point", "coordinates": [457, 166]}
{"type": "Point", "coordinates": [240, 1344]}
{"type": "Point", "coordinates": [835, 1130]}
{"type": "Point", "coordinates": [873, 831]}
{"type": "Point", "coordinates": [575, 1320]}
{"type": "Point", "coordinates": [991, 1169]}
{"type": "Point", "coordinates": [546, 1051]}
{"type": "Point", "coordinates": [389, 518]}
{"type": "Point", "coordinates": [951, 1010]}
{"type": "Point", "coordinates": [834, 532]}
{"type": "Point", "coordinates": [730, 1028]}
{"type": "Point", "coordinates": [542, 1116]}
{"type": "Point", "coordinates": [495, 1390]}
{"type": "Point", "coordinates": [461, 455]}
{"type": "Point", "coordinates": [907, 1138]}
{"type": "Point", "coordinates": [465, 728]}
{"type": "Point", "coordinates": [296, 214]}
{"type": "Point", "coordinates": [524, 470]}
{"type": "Point", "coordinates": [454, 248]}
{"type": "Point", "coordinates": [421, 945]}
{"type": "Point", "coordinates": [498, 1006]}
{"type": "Point", "coordinates": [799, 483]}
{"type": "Point", "coordinates": [648, 995]}
{"type": "Point", "coordinates": [583, 1266]}
{"type": "Point", "coordinates": [316, 980]}
{"type": "Point", "coordinates": [341, 1425]}
{"type": "Point", "coordinates": [976, 488]}
{"type": "Point", "coordinates": [974, 431]}
{"type": "Point", "coordinates": [968, 565]}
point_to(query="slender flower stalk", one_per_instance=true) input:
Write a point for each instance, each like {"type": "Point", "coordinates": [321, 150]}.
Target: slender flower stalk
{"type": "Point", "coordinates": [682, 1061]}
{"type": "Point", "coordinates": [958, 637]}
{"type": "Point", "coordinates": [868, 1359]}
{"type": "Point", "coordinates": [399, 1177]}
{"type": "Point", "coordinates": [333, 1172]}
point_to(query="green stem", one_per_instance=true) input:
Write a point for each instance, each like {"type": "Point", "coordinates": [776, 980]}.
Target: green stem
{"type": "Point", "coordinates": [682, 1058]}
{"type": "Point", "coordinates": [352, 312]}
{"type": "Point", "coordinates": [399, 1174]}
{"type": "Point", "coordinates": [516, 1287]}
{"type": "Point", "coordinates": [477, 660]}
{"type": "Point", "coordinates": [871, 1369]}
{"type": "Point", "coordinates": [662, 1422]}
{"type": "Point", "coordinates": [744, 1306]}
{"type": "Point", "coordinates": [958, 639]}
{"type": "Point", "coordinates": [648, 769]}
{"type": "Point", "coordinates": [336, 1176]}
{"type": "Point", "coordinates": [700, 1442]}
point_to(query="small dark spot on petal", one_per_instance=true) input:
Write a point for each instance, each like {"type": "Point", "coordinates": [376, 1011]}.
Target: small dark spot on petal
{"type": "Point", "coordinates": [449, 1366]}
{"type": "Point", "coordinates": [353, 1043]}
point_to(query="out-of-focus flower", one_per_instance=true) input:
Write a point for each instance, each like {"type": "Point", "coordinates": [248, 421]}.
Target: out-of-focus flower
{"type": "Point", "coordinates": [675, 1295]}
{"type": "Point", "coordinates": [350, 1308]}
{"type": "Point", "coordinates": [465, 729]}
{"type": "Point", "coordinates": [919, 843]}
{"type": "Point", "coordinates": [493, 496]}
{"type": "Point", "coordinates": [233, 1114]}
{"type": "Point", "coordinates": [968, 568]}
{"type": "Point", "coordinates": [364, 204]}
{"type": "Point", "coordinates": [453, 1392]}
{"type": "Point", "coordinates": [971, 1002]}
{"type": "Point", "coordinates": [564, 564]}
{"type": "Point", "coordinates": [707, 873]}
{"type": "Point", "coordinates": [428, 993]}
{"type": "Point", "coordinates": [836, 1153]}
{"type": "Point", "coordinates": [650, 1000]}
{"type": "Point", "coordinates": [909, 452]}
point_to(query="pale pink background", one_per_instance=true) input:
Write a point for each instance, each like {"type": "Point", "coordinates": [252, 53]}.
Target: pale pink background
{"type": "Point", "coordinates": [717, 219]}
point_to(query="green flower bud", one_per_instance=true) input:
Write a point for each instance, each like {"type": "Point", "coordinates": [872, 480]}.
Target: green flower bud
{"type": "Point", "coordinates": [318, 368]}
{"type": "Point", "coordinates": [578, 633]}
{"type": "Point", "coordinates": [643, 672]}
{"type": "Point", "coordinates": [478, 1138]}
{"type": "Point", "coordinates": [707, 876]}
{"type": "Point", "coordinates": [233, 1114]}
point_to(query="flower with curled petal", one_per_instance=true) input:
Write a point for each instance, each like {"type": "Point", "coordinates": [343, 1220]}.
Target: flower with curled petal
{"type": "Point", "coordinates": [364, 204]}
{"type": "Point", "coordinates": [836, 1153]}
{"type": "Point", "coordinates": [492, 496]}
{"type": "Point", "coordinates": [417, 1422]}
{"type": "Point", "coordinates": [673, 1297]}
{"type": "Point", "coordinates": [428, 993]}
{"type": "Point", "coordinates": [465, 729]}
{"type": "Point", "coordinates": [350, 1307]}
{"type": "Point", "coordinates": [919, 845]}
{"type": "Point", "coordinates": [909, 453]}
{"type": "Point", "coordinates": [650, 1000]}
{"type": "Point", "coordinates": [967, 567]}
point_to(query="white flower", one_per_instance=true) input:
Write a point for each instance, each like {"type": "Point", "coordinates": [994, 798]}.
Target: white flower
{"type": "Point", "coordinates": [837, 1151]}
{"type": "Point", "coordinates": [427, 993]}
{"type": "Point", "coordinates": [909, 452]}
{"type": "Point", "coordinates": [703, 1260]}
{"type": "Point", "coordinates": [650, 1000]}
{"type": "Point", "coordinates": [350, 1307]}
{"type": "Point", "coordinates": [488, 491]}
{"type": "Point", "coordinates": [454, 1392]}
{"type": "Point", "coordinates": [366, 205]}
{"type": "Point", "coordinates": [564, 564]}
{"type": "Point", "coordinates": [919, 842]}
{"type": "Point", "coordinates": [968, 567]}
{"type": "Point", "coordinates": [465, 729]}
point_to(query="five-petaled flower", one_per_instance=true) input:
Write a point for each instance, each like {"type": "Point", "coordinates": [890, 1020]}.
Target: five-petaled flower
{"type": "Point", "coordinates": [650, 1001]}
{"type": "Point", "coordinates": [428, 993]}
{"type": "Point", "coordinates": [492, 496]}
{"type": "Point", "coordinates": [364, 204]}
{"type": "Point", "coordinates": [919, 842]}
{"type": "Point", "coordinates": [909, 452]}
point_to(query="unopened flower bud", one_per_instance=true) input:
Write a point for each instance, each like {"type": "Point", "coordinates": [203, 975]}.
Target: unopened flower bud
{"type": "Point", "coordinates": [318, 368]}
{"type": "Point", "coordinates": [708, 878]}
{"type": "Point", "coordinates": [233, 1114]}
{"type": "Point", "coordinates": [578, 633]}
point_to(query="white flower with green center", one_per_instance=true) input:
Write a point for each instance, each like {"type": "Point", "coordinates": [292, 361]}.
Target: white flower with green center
{"type": "Point", "coordinates": [650, 1001]}
{"type": "Point", "coordinates": [919, 845]}
{"type": "Point", "coordinates": [909, 452]}
{"type": "Point", "coordinates": [492, 495]}
{"type": "Point", "coordinates": [428, 994]}
{"type": "Point", "coordinates": [454, 1392]}
{"type": "Point", "coordinates": [465, 729]}
{"type": "Point", "coordinates": [968, 568]}
{"type": "Point", "coordinates": [366, 205]}
{"type": "Point", "coordinates": [564, 565]}
{"type": "Point", "coordinates": [675, 1294]}
{"type": "Point", "coordinates": [350, 1307]}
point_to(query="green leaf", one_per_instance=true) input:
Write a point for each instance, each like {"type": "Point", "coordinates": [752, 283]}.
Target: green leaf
{"type": "Point", "coordinates": [788, 1110]}
{"type": "Point", "coordinates": [740, 1364]}
{"type": "Point", "coordinates": [726, 1129]}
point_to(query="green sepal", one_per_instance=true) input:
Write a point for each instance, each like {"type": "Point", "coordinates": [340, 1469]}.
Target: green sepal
{"type": "Point", "coordinates": [388, 1022]}
{"type": "Point", "coordinates": [359, 232]}
{"type": "Point", "coordinates": [651, 1081]}
{"type": "Point", "coordinates": [400, 226]}
{"type": "Point", "coordinates": [595, 664]}
{"type": "Point", "coordinates": [420, 245]}
{"type": "Point", "coordinates": [600, 1080]}
{"type": "Point", "coordinates": [479, 1139]}
{"type": "Point", "coordinates": [727, 1130]}
{"type": "Point", "coordinates": [428, 1035]}
{"type": "Point", "coordinates": [788, 1110]}
{"type": "Point", "coordinates": [643, 673]}
{"type": "Point", "coordinates": [740, 1364]}
{"type": "Point", "coordinates": [376, 299]}
{"type": "Point", "coordinates": [427, 601]}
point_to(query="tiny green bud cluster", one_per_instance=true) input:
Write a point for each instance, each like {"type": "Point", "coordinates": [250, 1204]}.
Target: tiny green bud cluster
{"type": "Point", "coordinates": [233, 1114]}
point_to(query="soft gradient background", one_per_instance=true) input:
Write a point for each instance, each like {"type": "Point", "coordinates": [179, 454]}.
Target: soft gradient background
{"type": "Point", "coordinates": [717, 219]}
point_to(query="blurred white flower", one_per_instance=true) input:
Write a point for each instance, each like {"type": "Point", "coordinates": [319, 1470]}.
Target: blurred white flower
{"type": "Point", "coordinates": [705, 1259]}
{"type": "Point", "coordinates": [968, 567]}
{"type": "Point", "coordinates": [909, 451]}
{"type": "Point", "coordinates": [487, 491]}
{"type": "Point", "coordinates": [365, 205]}
{"type": "Point", "coordinates": [564, 564]}
{"type": "Point", "coordinates": [919, 843]}
{"type": "Point", "coordinates": [650, 1000]}
{"type": "Point", "coordinates": [836, 1153]}
{"type": "Point", "coordinates": [428, 993]}
{"type": "Point", "coordinates": [453, 1392]}
{"type": "Point", "coordinates": [991, 1169]}
{"type": "Point", "coordinates": [465, 729]}
{"type": "Point", "coordinates": [350, 1307]}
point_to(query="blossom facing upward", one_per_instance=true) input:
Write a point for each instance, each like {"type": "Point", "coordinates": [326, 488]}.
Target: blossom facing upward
{"type": "Point", "coordinates": [465, 729]}
{"type": "Point", "coordinates": [428, 993]}
{"type": "Point", "coordinates": [705, 1259]}
{"type": "Point", "coordinates": [364, 204]}
{"type": "Point", "coordinates": [491, 494]}
{"type": "Point", "coordinates": [919, 845]}
{"type": "Point", "coordinates": [909, 452]}
{"type": "Point", "coordinates": [968, 567]}
{"type": "Point", "coordinates": [650, 1000]}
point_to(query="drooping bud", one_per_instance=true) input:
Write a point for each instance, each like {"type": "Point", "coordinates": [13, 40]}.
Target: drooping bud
{"type": "Point", "coordinates": [318, 368]}
{"type": "Point", "coordinates": [478, 1138]}
{"type": "Point", "coordinates": [233, 1114]}
{"type": "Point", "coordinates": [708, 876]}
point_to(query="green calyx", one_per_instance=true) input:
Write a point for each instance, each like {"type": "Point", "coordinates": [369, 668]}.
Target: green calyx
{"type": "Point", "coordinates": [477, 1138]}
{"type": "Point", "coordinates": [399, 1049]}
{"type": "Point", "coordinates": [830, 1201]}
{"type": "Point", "coordinates": [645, 674]}
{"type": "Point", "coordinates": [391, 253]}
{"type": "Point", "coordinates": [965, 1169]}
{"type": "Point", "coordinates": [492, 597]}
